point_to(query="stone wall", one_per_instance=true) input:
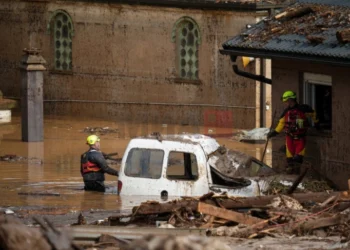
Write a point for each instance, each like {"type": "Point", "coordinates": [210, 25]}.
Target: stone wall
{"type": "Point", "coordinates": [124, 63]}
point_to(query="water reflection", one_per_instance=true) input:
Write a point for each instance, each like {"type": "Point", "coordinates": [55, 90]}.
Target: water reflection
{"type": "Point", "coordinates": [53, 165]}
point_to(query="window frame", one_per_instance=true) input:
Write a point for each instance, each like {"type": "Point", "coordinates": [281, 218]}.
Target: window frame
{"type": "Point", "coordinates": [310, 80]}
{"type": "Point", "coordinates": [196, 174]}
{"type": "Point", "coordinates": [130, 154]}
{"type": "Point", "coordinates": [51, 27]}
{"type": "Point", "coordinates": [176, 36]}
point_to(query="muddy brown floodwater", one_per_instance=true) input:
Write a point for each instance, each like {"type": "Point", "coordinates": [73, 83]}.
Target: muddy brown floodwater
{"type": "Point", "coordinates": [51, 168]}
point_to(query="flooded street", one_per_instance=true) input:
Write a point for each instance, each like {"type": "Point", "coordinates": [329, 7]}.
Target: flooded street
{"type": "Point", "coordinates": [48, 177]}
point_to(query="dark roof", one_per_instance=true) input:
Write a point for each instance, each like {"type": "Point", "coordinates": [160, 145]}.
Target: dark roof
{"type": "Point", "coordinates": [327, 2]}
{"type": "Point", "coordinates": [243, 5]}
{"type": "Point", "coordinates": [311, 33]}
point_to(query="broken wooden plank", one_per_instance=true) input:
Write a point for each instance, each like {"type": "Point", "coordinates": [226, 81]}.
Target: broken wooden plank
{"type": "Point", "coordinates": [315, 39]}
{"type": "Point", "coordinates": [343, 36]}
{"type": "Point", "coordinates": [227, 214]}
{"type": "Point", "coordinates": [297, 181]}
{"type": "Point", "coordinates": [294, 13]}
{"type": "Point", "coordinates": [206, 196]}
{"type": "Point", "coordinates": [237, 203]}
{"type": "Point", "coordinates": [276, 29]}
{"type": "Point", "coordinates": [320, 223]}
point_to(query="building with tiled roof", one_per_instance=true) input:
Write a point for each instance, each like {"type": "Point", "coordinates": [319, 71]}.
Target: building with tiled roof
{"type": "Point", "coordinates": [308, 44]}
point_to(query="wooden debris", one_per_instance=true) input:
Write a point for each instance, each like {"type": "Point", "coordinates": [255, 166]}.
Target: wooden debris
{"type": "Point", "coordinates": [206, 196]}
{"type": "Point", "coordinates": [248, 202]}
{"type": "Point", "coordinates": [319, 223]}
{"type": "Point", "coordinates": [343, 36]}
{"type": "Point", "coordinates": [297, 181]}
{"type": "Point", "coordinates": [315, 39]}
{"type": "Point", "coordinates": [294, 13]}
{"type": "Point", "coordinates": [227, 214]}
{"type": "Point", "coordinates": [276, 29]}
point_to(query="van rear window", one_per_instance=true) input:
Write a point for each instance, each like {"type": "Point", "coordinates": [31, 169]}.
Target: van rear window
{"type": "Point", "coordinates": [144, 163]}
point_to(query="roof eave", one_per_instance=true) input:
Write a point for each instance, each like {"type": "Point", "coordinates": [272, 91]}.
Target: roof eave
{"type": "Point", "coordinates": [282, 55]}
{"type": "Point", "coordinates": [197, 4]}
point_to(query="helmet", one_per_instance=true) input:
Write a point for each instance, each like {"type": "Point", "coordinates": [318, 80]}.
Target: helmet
{"type": "Point", "coordinates": [288, 95]}
{"type": "Point", "coordinates": [92, 139]}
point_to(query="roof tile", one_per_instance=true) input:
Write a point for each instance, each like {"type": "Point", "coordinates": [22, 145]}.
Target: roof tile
{"type": "Point", "coordinates": [312, 33]}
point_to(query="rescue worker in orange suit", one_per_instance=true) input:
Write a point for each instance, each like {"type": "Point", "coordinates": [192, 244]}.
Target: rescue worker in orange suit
{"type": "Point", "coordinates": [94, 166]}
{"type": "Point", "coordinates": [295, 121]}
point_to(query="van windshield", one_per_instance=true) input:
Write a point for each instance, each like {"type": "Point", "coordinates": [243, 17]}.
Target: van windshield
{"type": "Point", "coordinates": [144, 163]}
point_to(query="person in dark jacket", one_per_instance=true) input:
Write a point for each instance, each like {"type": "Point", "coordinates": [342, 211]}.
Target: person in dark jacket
{"type": "Point", "coordinates": [94, 166]}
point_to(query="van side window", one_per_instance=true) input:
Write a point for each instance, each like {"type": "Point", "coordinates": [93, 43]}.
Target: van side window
{"type": "Point", "coordinates": [182, 166]}
{"type": "Point", "coordinates": [144, 163]}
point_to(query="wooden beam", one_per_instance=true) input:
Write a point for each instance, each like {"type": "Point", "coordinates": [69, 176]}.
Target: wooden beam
{"type": "Point", "coordinates": [343, 36]}
{"type": "Point", "coordinates": [227, 214]}
{"type": "Point", "coordinates": [230, 203]}
{"type": "Point", "coordinates": [294, 13]}
{"type": "Point", "coordinates": [320, 223]}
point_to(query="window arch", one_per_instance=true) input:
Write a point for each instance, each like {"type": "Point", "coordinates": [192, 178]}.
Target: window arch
{"type": "Point", "coordinates": [186, 35]}
{"type": "Point", "coordinates": [63, 31]}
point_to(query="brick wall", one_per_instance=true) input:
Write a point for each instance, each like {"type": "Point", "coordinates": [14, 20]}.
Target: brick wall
{"type": "Point", "coordinates": [124, 62]}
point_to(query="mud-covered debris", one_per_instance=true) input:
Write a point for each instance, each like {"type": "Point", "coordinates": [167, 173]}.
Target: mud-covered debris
{"type": "Point", "coordinates": [171, 242]}
{"type": "Point", "coordinates": [58, 239]}
{"type": "Point", "coordinates": [284, 201]}
{"type": "Point", "coordinates": [15, 235]}
{"type": "Point", "coordinates": [16, 158]}
{"type": "Point", "coordinates": [267, 215]}
{"type": "Point", "coordinates": [317, 185]}
{"type": "Point", "coordinates": [257, 135]}
{"type": "Point", "coordinates": [100, 130]}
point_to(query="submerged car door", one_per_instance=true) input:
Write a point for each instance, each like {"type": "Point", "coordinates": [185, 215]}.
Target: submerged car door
{"type": "Point", "coordinates": [185, 170]}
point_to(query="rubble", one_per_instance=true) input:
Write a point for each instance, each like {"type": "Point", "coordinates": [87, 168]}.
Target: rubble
{"type": "Point", "coordinates": [257, 1]}
{"type": "Point", "coordinates": [16, 158]}
{"type": "Point", "coordinates": [100, 130]}
{"type": "Point", "coordinates": [188, 226]}
{"type": "Point", "coordinates": [298, 214]}
{"type": "Point", "coordinates": [257, 135]}
{"type": "Point", "coordinates": [313, 21]}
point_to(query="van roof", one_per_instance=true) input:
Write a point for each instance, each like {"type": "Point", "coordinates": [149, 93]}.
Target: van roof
{"type": "Point", "coordinates": [208, 144]}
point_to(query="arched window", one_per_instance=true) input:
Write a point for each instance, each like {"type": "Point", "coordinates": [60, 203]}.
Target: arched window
{"type": "Point", "coordinates": [186, 35]}
{"type": "Point", "coordinates": [62, 28]}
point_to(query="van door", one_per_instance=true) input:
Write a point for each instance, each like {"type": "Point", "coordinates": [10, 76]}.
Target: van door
{"type": "Point", "coordinates": [185, 171]}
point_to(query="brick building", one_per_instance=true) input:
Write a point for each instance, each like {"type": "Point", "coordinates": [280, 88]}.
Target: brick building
{"type": "Point", "coordinates": [140, 61]}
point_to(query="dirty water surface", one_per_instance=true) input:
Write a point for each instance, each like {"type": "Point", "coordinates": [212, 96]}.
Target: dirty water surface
{"type": "Point", "coordinates": [44, 177]}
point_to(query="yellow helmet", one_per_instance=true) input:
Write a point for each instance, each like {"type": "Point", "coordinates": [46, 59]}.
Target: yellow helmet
{"type": "Point", "coordinates": [288, 95]}
{"type": "Point", "coordinates": [92, 139]}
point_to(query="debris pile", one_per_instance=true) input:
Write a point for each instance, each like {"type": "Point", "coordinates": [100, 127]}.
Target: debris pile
{"type": "Point", "coordinates": [100, 130]}
{"type": "Point", "coordinates": [325, 214]}
{"type": "Point", "coordinates": [16, 158]}
{"type": "Point", "coordinates": [257, 1]}
{"type": "Point", "coordinates": [257, 135]}
{"type": "Point", "coordinates": [317, 23]}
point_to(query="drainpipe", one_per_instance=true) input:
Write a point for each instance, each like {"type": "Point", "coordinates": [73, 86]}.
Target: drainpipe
{"type": "Point", "coordinates": [262, 96]}
{"type": "Point", "coordinates": [262, 79]}
{"type": "Point", "coordinates": [239, 72]}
